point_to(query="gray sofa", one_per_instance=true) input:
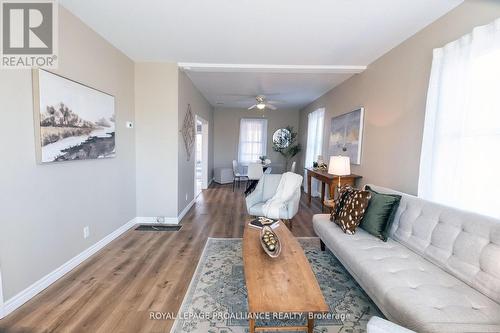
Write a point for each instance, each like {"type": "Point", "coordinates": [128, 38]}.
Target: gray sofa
{"type": "Point", "coordinates": [438, 272]}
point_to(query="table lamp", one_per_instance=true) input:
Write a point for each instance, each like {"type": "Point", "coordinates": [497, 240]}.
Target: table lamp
{"type": "Point", "coordinates": [339, 166]}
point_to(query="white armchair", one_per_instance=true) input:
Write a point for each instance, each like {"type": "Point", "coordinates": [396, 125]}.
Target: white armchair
{"type": "Point", "coordinates": [265, 190]}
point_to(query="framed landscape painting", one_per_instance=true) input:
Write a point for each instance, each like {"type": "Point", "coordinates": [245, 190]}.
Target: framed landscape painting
{"type": "Point", "coordinates": [346, 135]}
{"type": "Point", "coordinates": [72, 121]}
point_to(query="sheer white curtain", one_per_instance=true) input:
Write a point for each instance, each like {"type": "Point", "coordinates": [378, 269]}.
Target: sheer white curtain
{"type": "Point", "coordinates": [315, 124]}
{"type": "Point", "coordinates": [253, 140]}
{"type": "Point", "coordinates": [460, 156]}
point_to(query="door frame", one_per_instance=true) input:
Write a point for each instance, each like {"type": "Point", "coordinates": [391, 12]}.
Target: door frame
{"type": "Point", "coordinates": [204, 153]}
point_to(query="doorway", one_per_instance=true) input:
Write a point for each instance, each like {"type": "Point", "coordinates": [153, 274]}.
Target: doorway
{"type": "Point", "coordinates": [201, 156]}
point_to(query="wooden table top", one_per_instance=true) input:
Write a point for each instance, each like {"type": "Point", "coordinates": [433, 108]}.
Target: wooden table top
{"type": "Point", "coordinates": [330, 176]}
{"type": "Point", "coordinates": [283, 284]}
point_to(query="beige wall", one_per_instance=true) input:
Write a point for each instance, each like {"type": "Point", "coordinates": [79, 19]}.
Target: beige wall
{"type": "Point", "coordinates": [188, 94]}
{"type": "Point", "coordinates": [157, 135]}
{"type": "Point", "coordinates": [227, 129]}
{"type": "Point", "coordinates": [44, 208]}
{"type": "Point", "coordinates": [393, 91]}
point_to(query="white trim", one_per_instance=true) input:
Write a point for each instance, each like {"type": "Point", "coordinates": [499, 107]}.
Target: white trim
{"type": "Point", "coordinates": [1, 296]}
{"type": "Point", "coordinates": [154, 219]}
{"type": "Point", "coordinates": [167, 220]}
{"type": "Point", "coordinates": [297, 69]}
{"type": "Point", "coordinates": [28, 293]}
{"type": "Point", "coordinates": [185, 210]}
{"type": "Point", "coordinates": [24, 296]}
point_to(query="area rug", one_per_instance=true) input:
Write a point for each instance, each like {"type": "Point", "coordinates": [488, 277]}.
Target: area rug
{"type": "Point", "coordinates": [216, 301]}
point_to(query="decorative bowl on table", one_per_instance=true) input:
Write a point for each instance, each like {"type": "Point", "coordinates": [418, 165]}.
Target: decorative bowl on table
{"type": "Point", "coordinates": [270, 242]}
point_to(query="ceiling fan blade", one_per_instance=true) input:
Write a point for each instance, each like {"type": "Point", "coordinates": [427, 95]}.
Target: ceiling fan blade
{"type": "Point", "coordinates": [276, 102]}
{"type": "Point", "coordinates": [252, 107]}
{"type": "Point", "coordinates": [272, 107]}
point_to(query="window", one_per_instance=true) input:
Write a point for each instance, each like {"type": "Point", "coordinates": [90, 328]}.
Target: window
{"type": "Point", "coordinates": [462, 124]}
{"type": "Point", "coordinates": [315, 121]}
{"type": "Point", "coordinates": [253, 140]}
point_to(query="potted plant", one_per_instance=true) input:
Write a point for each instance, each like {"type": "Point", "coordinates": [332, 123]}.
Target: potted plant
{"type": "Point", "coordinates": [286, 144]}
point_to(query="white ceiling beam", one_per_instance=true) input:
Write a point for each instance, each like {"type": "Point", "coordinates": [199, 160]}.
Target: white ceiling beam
{"type": "Point", "coordinates": [286, 69]}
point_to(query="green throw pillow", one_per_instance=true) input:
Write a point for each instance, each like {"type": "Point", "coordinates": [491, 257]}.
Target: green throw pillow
{"type": "Point", "coordinates": [380, 213]}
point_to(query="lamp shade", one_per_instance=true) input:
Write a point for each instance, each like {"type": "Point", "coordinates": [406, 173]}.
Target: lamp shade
{"type": "Point", "coordinates": [340, 166]}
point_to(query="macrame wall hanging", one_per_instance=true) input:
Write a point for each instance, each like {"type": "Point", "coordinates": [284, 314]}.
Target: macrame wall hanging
{"type": "Point", "coordinates": [188, 132]}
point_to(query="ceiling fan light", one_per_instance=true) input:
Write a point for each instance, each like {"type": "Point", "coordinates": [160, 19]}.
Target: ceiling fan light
{"type": "Point", "coordinates": [261, 106]}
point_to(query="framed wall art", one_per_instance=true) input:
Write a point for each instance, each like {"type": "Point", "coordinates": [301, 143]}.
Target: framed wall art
{"type": "Point", "coordinates": [72, 121]}
{"type": "Point", "coordinates": [346, 135]}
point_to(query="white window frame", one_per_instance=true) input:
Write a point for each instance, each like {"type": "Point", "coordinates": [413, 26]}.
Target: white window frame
{"type": "Point", "coordinates": [314, 145]}
{"type": "Point", "coordinates": [245, 140]}
{"type": "Point", "coordinates": [462, 124]}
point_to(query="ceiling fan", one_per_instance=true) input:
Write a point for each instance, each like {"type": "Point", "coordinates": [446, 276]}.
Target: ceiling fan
{"type": "Point", "coordinates": [263, 103]}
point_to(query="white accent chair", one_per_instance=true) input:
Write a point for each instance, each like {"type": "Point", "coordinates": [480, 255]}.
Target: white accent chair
{"type": "Point", "coordinates": [237, 175]}
{"type": "Point", "coordinates": [265, 190]}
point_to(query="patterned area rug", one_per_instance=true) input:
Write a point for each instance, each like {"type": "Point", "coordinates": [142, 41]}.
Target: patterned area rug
{"type": "Point", "coordinates": [216, 301]}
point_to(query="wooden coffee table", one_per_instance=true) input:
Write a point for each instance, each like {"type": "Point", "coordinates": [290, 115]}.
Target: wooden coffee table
{"type": "Point", "coordinates": [285, 285]}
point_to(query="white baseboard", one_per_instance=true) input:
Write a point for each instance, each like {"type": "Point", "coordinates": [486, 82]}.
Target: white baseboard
{"type": "Point", "coordinates": [8, 306]}
{"type": "Point", "coordinates": [166, 220]}
{"type": "Point", "coordinates": [15, 302]}
{"type": "Point", "coordinates": [153, 220]}
{"type": "Point", "coordinates": [185, 210]}
{"type": "Point", "coordinates": [1, 296]}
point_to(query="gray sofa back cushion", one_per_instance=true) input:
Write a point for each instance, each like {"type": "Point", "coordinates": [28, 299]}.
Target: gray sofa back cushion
{"type": "Point", "coordinates": [465, 244]}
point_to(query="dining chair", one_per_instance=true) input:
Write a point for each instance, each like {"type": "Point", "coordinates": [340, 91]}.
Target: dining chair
{"type": "Point", "coordinates": [237, 175]}
{"type": "Point", "coordinates": [294, 165]}
{"type": "Point", "coordinates": [267, 166]}
{"type": "Point", "coordinates": [255, 172]}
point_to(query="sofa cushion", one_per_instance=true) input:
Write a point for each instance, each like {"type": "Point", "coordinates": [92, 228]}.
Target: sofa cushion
{"type": "Point", "coordinates": [409, 289]}
{"type": "Point", "coordinates": [380, 213]}
{"type": "Point", "coordinates": [343, 192]}
{"type": "Point", "coordinates": [465, 244]}
{"type": "Point", "coordinates": [352, 210]}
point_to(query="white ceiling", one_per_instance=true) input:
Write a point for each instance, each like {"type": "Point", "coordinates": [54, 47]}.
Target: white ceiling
{"type": "Point", "coordinates": [284, 32]}
{"type": "Point", "coordinates": [295, 90]}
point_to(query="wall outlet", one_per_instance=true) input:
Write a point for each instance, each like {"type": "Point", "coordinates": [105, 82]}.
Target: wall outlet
{"type": "Point", "coordinates": [129, 124]}
{"type": "Point", "coordinates": [86, 232]}
{"type": "Point", "coordinates": [160, 219]}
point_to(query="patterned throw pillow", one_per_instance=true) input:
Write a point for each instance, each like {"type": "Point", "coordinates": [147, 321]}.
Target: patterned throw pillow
{"type": "Point", "coordinates": [352, 210]}
{"type": "Point", "coordinates": [343, 192]}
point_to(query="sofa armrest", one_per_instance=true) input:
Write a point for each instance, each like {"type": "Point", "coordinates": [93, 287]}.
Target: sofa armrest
{"type": "Point", "coordinates": [379, 325]}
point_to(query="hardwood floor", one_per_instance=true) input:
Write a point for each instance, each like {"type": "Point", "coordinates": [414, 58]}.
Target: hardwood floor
{"type": "Point", "coordinates": [142, 271]}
